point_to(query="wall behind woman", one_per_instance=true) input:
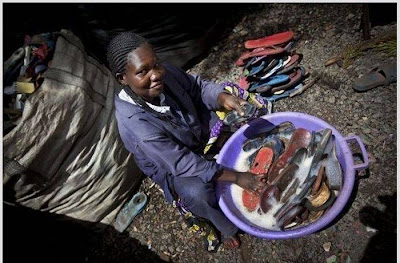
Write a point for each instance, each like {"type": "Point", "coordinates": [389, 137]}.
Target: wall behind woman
{"type": "Point", "coordinates": [180, 32]}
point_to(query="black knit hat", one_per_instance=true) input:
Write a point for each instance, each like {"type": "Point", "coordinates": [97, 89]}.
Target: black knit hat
{"type": "Point", "coordinates": [119, 48]}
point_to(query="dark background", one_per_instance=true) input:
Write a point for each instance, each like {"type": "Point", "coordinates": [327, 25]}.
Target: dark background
{"type": "Point", "coordinates": [180, 32]}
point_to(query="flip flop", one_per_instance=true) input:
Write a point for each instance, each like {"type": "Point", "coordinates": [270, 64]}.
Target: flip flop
{"type": "Point", "coordinates": [255, 69]}
{"type": "Point", "coordinates": [272, 71]}
{"type": "Point", "coordinates": [294, 62]}
{"type": "Point", "coordinates": [307, 83]}
{"type": "Point", "coordinates": [271, 50]}
{"type": "Point", "coordinates": [251, 62]}
{"type": "Point", "coordinates": [267, 194]}
{"type": "Point", "coordinates": [301, 138]}
{"type": "Point", "coordinates": [271, 40]}
{"type": "Point", "coordinates": [285, 94]}
{"type": "Point", "coordinates": [232, 117]}
{"type": "Point", "coordinates": [380, 76]}
{"type": "Point", "coordinates": [268, 83]}
{"type": "Point", "coordinates": [295, 77]}
{"type": "Point", "coordinates": [258, 59]}
{"type": "Point", "coordinates": [130, 210]}
{"type": "Point", "coordinates": [269, 67]}
{"type": "Point", "coordinates": [263, 161]}
{"type": "Point", "coordinates": [286, 60]}
{"type": "Point", "coordinates": [260, 165]}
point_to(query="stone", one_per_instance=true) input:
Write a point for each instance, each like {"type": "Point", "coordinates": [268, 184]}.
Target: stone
{"type": "Point", "coordinates": [171, 249]}
{"type": "Point", "coordinates": [366, 130]}
{"type": "Point", "coordinates": [327, 246]}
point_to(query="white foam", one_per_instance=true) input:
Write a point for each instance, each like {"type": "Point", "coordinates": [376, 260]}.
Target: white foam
{"type": "Point", "coordinates": [242, 163]}
{"type": "Point", "coordinates": [302, 172]}
{"type": "Point", "coordinates": [267, 220]}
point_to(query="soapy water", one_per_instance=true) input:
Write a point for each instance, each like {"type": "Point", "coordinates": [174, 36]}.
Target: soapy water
{"type": "Point", "coordinates": [298, 187]}
{"type": "Point", "coordinates": [265, 220]}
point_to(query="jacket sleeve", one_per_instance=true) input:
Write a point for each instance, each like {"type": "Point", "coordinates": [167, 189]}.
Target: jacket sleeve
{"type": "Point", "coordinates": [176, 159]}
{"type": "Point", "coordinates": [199, 90]}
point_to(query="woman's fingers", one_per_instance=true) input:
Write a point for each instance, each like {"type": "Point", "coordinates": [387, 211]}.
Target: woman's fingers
{"type": "Point", "coordinates": [258, 185]}
{"type": "Point", "coordinates": [234, 103]}
{"type": "Point", "coordinates": [263, 178]}
{"type": "Point", "coordinates": [238, 105]}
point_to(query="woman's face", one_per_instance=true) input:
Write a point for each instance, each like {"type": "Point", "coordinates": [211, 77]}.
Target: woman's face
{"type": "Point", "coordinates": [144, 74]}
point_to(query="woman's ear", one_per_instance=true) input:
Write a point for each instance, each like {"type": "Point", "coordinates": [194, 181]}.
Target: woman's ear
{"type": "Point", "coordinates": [120, 78]}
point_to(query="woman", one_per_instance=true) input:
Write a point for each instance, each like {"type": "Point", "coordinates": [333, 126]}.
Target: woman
{"type": "Point", "coordinates": [163, 116]}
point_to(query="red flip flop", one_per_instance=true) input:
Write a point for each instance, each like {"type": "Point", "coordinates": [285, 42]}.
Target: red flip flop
{"type": "Point", "coordinates": [263, 161]}
{"type": "Point", "coordinates": [250, 200]}
{"type": "Point", "coordinates": [271, 40]}
{"type": "Point", "coordinates": [260, 165]}
{"type": "Point", "coordinates": [301, 138]}
{"type": "Point", "coordinates": [271, 50]}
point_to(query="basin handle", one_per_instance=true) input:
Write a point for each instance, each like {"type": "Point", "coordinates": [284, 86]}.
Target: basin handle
{"type": "Point", "coordinates": [357, 139]}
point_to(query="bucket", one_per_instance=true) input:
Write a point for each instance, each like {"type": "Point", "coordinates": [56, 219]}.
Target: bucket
{"type": "Point", "coordinates": [230, 152]}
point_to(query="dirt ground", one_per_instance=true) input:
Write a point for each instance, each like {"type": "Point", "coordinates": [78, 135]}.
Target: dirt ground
{"type": "Point", "coordinates": [365, 231]}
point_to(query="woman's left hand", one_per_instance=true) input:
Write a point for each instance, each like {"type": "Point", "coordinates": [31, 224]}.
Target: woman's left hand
{"type": "Point", "coordinates": [231, 102]}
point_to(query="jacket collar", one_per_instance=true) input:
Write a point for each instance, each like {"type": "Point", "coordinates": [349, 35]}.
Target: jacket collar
{"type": "Point", "coordinates": [125, 108]}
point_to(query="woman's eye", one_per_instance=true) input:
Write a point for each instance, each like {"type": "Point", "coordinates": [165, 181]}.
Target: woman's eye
{"type": "Point", "coordinates": [142, 72]}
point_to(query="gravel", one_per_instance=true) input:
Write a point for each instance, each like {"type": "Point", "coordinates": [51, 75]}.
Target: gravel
{"type": "Point", "coordinates": [324, 30]}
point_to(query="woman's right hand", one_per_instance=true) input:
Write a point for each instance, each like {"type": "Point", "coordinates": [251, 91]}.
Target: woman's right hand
{"type": "Point", "coordinates": [251, 182]}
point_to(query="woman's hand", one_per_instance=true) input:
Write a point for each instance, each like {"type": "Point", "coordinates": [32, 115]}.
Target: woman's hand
{"type": "Point", "coordinates": [231, 102]}
{"type": "Point", "coordinates": [254, 183]}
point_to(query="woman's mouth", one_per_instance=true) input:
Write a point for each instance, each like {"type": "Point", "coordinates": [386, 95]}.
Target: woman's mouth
{"type": "Point", "coordinates": [157, 86]}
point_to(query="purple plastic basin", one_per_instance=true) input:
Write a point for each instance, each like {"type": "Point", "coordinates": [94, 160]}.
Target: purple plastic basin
{"type": "Point", "coordinates": [230, 152]}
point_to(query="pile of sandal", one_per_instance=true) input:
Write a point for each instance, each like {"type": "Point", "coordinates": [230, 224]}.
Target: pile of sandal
{"type": "Point", "coordinates": [23, 72]}
{"type": "Point", "coordinates": [272, 69]}
{"type": "Point", "coordinates": [304, 174]}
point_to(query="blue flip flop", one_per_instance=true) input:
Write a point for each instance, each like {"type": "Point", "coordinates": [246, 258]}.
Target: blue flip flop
{"type": "Point", "coordinates": [285, 94]}
{"type": "Point", "coordinates": [255, 69]}
{"type": "Point", "coordinates": [274, 80]}
{"type": "Point", "coordinates": [130, 210]}
{"type": "Point", "coordinates": [275, 69]}
{"type": "Point", "coordinates": [250, 63]}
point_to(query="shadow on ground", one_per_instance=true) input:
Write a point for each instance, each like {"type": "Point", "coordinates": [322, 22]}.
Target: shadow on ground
{"type": "Point", "coordinates": [33, 236]}
{"type": "Point", "coordinates": [383, 244]}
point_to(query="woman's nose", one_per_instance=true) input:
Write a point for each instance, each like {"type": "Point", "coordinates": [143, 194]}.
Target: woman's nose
{"type": "Point", "coordinates": [156, 74]}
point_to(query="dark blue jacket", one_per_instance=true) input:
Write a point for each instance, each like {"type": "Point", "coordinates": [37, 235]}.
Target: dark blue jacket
{"type": "Point", "coordinates": [163, 150]}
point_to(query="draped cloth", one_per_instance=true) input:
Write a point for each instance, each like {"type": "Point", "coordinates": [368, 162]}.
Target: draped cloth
{"type": "Point", "coordinates": [65, 155]}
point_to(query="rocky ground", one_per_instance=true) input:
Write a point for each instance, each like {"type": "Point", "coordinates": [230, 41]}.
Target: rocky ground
{"type": "Point", "coordinates": [366, 230]}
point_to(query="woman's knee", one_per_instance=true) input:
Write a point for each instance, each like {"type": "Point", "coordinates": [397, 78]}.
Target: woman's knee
{"type": "Point", "coordinates": [196, 193]}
